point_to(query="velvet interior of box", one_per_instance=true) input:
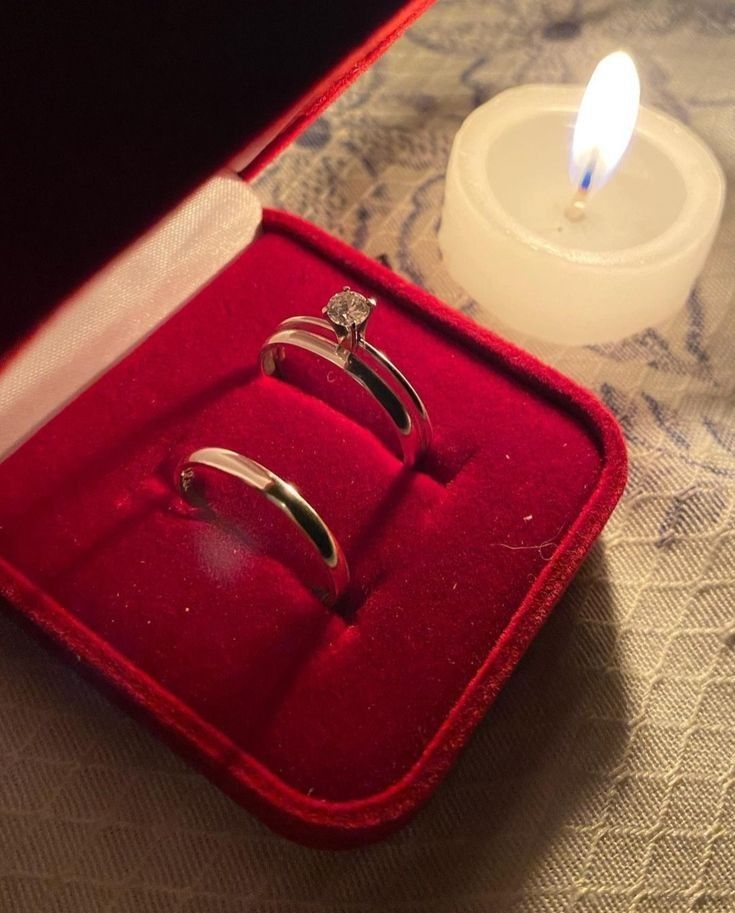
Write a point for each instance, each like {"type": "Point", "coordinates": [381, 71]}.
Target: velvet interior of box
{"type": "Point", "coordinates": [333, 724]}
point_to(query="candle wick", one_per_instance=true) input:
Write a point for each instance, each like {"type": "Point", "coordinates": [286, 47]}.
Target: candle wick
{"type": "Point", "coordinates": [575, 211]}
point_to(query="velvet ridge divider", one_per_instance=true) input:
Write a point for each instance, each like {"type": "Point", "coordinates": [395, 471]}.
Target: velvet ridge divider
{"type": "Point", "coordinates": [333, 727]}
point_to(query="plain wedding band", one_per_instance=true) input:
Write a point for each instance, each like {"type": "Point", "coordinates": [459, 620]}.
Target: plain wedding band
{"type": "Point", "coordinates": [285, 497]}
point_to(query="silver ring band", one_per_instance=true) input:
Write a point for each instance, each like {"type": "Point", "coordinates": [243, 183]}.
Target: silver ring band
{"type": "Point", "coordinates": [285, 496]}
{"type": "Point", "coordinates": [365, 364]}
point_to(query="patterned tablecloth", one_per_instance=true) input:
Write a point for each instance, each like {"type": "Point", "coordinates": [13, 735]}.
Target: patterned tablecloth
{"type": "Point", "coordinates": [604, 777]}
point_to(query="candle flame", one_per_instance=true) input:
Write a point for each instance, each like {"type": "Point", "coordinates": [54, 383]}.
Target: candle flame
{"type": "Point", "coordinates": [605, 121]}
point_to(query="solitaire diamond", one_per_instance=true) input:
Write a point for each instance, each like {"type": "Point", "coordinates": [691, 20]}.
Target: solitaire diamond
{"type": "Point", "coordinates": [348, 309]}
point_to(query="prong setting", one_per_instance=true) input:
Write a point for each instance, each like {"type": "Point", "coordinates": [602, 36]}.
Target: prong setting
{"type": "Point", "coordinates": [348, 312]}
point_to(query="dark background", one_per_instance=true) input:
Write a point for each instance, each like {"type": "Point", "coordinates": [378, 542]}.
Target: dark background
{"type": "Point", "coordinates": [112, 111]}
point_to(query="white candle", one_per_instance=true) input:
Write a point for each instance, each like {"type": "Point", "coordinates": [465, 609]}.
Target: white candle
{"type": "Point", "coordinates": [512, 240]}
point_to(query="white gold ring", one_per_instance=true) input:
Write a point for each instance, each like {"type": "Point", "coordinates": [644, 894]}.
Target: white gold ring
{"type": "Point", "coordinates": [340, 340]}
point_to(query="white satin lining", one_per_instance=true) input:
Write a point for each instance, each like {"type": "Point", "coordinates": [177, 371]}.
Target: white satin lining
{"type": "Point", "coordinates": [122, 303]}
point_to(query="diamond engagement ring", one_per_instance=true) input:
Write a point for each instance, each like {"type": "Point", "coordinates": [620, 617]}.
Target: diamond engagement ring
{"type": "Point", "coordinates": [349, 312]}
{"type": "Point", "coordinates": [340, 340]}
{"type": "Point", "coordinates": [284, 496]}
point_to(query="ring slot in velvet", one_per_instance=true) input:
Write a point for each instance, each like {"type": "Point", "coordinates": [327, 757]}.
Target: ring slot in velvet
{"type": "Point", "coordinates": [334, 727]}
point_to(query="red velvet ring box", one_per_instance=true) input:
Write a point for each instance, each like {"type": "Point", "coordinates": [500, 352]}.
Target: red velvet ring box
{"type": "Point", "coordinates": [333, 726]}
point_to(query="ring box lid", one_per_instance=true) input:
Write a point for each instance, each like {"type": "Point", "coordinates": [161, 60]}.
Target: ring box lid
{"type": "Point", "coordinates": [116, 111]}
